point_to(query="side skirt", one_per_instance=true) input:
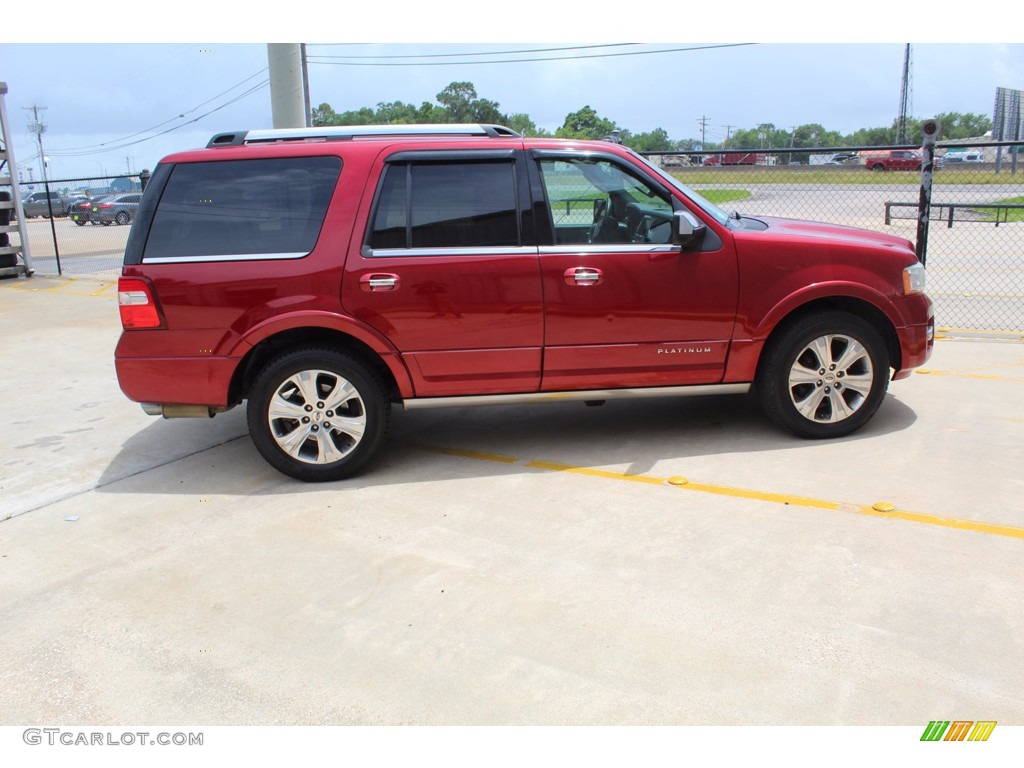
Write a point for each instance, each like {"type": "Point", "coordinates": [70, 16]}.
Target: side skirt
{"type": "Point", "coordinates": [422, 403]}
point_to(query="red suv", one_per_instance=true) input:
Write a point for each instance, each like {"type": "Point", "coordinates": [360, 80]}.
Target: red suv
{"type": "Point", "coordinates": [327, 274]}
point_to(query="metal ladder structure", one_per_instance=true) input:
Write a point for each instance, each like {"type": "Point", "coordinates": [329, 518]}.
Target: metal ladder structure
{"type": "Point", "coordinates": [15, 260]}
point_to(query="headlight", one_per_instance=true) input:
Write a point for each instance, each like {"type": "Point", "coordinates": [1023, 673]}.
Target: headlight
{"type": "Point", "coordinates": [913, 279]}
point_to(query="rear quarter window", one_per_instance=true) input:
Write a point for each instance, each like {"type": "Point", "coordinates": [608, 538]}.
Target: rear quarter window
{"type": "Point", "coordinates": [234, 209]}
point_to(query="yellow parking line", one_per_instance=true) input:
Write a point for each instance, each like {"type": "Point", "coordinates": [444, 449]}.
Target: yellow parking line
{"type": "Point", "coordinates": [879, 509]}
{"type": "Point", "coordinates": [969, 332]}
{"type": "Point", "coordinates": [497, 457]}
{"type": "Point", "coordinates": [62, 286]}
{"type": "Point", "coordinates": [963, 375]}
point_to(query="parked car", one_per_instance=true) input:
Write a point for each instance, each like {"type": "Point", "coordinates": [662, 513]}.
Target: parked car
{"type": "Point", "coordinates": [116, 209]}
{"type": "Point", "coordinates": [324, 281]}
{"type": "Point", "coordinates": [80, 212]}
{"type": "Point", "coordinates": [964, 156]}
{"type": "Point", "coordinates": [35, 204]}
{"type": "Point", "coordinates": [843, 158]}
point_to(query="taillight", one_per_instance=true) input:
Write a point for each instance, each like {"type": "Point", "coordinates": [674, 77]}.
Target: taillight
{"type": "Point", "coordinates": [137, 305]}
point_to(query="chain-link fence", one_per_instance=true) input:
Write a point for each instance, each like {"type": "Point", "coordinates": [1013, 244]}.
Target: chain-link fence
{"type": "Point", "coordinates": [975, 244]}
{"type": "Point", "coordinates": [975, 239]}
{"type": "Point", "coordinates": [89, 227]}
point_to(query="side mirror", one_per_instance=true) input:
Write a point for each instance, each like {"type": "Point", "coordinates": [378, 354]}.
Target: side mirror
{"type": "Point", "coordinates": [688, 230]}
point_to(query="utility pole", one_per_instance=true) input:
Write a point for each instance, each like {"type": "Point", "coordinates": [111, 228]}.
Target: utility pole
{"type": "Point", "coordinates": [901, 123]}
{"type": "Point", "coordinates": [728, 132]}
{"type": "Point", "coordinates": [38, 127]}
{"type": "Point", "coordinates": [287, 85]}
{"type": "Point", "coordinates": [703, 127]}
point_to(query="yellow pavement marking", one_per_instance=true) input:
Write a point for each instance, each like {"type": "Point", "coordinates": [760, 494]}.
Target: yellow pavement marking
{"type": "Point", "coordinates": [63, 286]}
{"type": "Point", "coordinates": [965, 375]}
{"type": "Point", "coordinates": [878, 509]}
{"type": "Point", "coordinates": [497, 457]}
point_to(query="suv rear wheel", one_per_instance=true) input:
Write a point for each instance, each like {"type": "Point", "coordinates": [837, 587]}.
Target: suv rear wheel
{"type": "Point", "coordinates": [317, 414]}
{"type": "Point", "coordinates": [824, 376]}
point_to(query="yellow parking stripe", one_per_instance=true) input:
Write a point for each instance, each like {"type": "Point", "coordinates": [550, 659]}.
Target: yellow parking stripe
{"type": "Point", "coordinates": [964, 375]}
{"type": "Point", "coordinates": [879, 509]}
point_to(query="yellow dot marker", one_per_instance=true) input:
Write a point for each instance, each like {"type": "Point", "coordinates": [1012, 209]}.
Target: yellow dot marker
{"type": "Point", "coordinates": [678, 480]}
{"type": "Point", "coordinates": [883, 506]}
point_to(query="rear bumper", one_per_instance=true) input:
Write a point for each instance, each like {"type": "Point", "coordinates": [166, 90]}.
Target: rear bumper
{"type": "Point", "coordinates": [177, 380]}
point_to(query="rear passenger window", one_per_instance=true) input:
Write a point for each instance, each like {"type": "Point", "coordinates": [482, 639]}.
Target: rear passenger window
{"type": "Point", "coordinates": [446, 205]}
{"type": "Point", "coordinates": [242, 208]}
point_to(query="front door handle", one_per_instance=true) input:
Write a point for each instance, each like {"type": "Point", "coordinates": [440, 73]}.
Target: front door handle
{"type": "Point", "coordinates": [379, 281]}
{"type": "Point", "coordinates": [583, 276]}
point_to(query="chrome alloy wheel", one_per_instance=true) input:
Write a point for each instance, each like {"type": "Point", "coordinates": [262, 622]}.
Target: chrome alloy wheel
{"type": "Point", "coordinates": [830, 378]}
{"type": "Point", "coordinates": [317, 417]}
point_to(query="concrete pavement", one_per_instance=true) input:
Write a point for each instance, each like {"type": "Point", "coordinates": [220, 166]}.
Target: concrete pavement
{"type": "Point", "coordinates": [654, 562]}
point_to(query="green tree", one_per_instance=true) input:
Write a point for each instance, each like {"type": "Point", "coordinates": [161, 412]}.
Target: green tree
{"type": "Point", "coordinates": [324, 115]}
{"type": "Point", "coordinates": [585, 123]}
{"type": "Point", "coordinates": [462, 105]}
{"type": "Point", "coordinates": [814, 135]}
{"type": "Point", "coordinates": [522, 123]}
{"type": "Point", "coordinates": [956, 125]}
{"type": "Point", "coordinates": [651, 141]}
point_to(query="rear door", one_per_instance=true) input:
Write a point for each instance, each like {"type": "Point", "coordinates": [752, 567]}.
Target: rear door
{"type": "Point", "coordinates": [624, 307]}
{"type": "Point", "coordinates": [448, 270]}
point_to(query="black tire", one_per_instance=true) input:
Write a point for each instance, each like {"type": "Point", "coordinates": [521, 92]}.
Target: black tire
{"type": "Point", "coordinates": [122, 217]}
{"type": "Point", "coordinates": [299, 440]}
{"type": "Point", "coordinates": [823, 376]}
{"type": "Point", "coordinates": [105, 223]}
{"type": "Point", "coordinates": [79, 222]}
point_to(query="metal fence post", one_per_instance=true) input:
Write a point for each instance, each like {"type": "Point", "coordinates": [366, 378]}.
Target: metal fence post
{"type": "Point", "coordinates": [930, 129]}
{"type": "Point", "coordinates": [53, 226]}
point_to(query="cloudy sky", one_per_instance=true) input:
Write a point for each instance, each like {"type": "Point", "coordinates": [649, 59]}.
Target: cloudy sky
{"type": "Point", "coordinates": [124, 103]}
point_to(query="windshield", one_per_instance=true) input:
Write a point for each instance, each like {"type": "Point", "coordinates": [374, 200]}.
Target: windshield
{"type": "Point", "coordinates": [705, 205]}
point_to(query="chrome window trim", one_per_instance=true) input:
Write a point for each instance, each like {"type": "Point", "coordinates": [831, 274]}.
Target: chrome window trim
{"type": "Point", "coordinates": [497, 250]}
{"type": "Point", "coordinates": [227, 257]}
{"type": "Point", "coordinates": [593, 248]}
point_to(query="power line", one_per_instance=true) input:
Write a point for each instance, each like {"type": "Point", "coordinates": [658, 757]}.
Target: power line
{"type": "Point", "coordinates": [241, 96]}
{"type": "Point", "coordinates": [87, 149]}
{"type": "Point", "coordinates": [478, 53]}
{"type": "Point", "coordinates": [521, 61]}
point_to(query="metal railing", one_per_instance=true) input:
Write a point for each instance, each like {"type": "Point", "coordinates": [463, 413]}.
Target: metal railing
{"type": "Point", "coordinates": [1002, 211]}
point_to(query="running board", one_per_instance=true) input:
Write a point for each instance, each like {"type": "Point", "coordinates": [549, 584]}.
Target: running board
{"type": "Point", "coordinates": [420, 403]}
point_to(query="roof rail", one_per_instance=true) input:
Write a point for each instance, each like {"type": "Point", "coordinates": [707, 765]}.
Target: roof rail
{"type": "Point", "coordinates": [348, 132]}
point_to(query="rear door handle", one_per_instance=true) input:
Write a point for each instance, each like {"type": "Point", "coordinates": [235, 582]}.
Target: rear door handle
{"type": "Point", "coordinates": [583, 276]}
{"type": "Point", "coordinates": [379, 281]}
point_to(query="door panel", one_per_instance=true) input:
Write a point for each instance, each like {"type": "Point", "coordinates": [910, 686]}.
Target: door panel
{"type": "Point", "coordinates": [624, 307]}
{"type": "Point", "coordinates": [471, 324]}
{"type": "Point", "coordinates": [443, 274]}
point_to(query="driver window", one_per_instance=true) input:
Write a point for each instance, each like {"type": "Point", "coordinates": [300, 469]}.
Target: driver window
{"type": "Point", "coordinates": [596, 201]}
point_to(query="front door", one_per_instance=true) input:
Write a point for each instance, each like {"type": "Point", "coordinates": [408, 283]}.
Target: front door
{"type": "Point", "coordinates": [624, 307]}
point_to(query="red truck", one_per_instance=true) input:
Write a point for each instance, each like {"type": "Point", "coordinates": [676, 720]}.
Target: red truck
{"type": "Point", "coordinates": [892, 160]}
{"type": "Point", "coordinates": [327, 275]}
{"type": "Point", "coordinates": [737, 158]}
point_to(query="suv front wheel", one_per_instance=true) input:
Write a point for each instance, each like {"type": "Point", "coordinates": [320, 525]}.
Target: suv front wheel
{"type": "Point", "coordinates": [824, 376]}
{"type": "Point", "coordinates": [317, 414]}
